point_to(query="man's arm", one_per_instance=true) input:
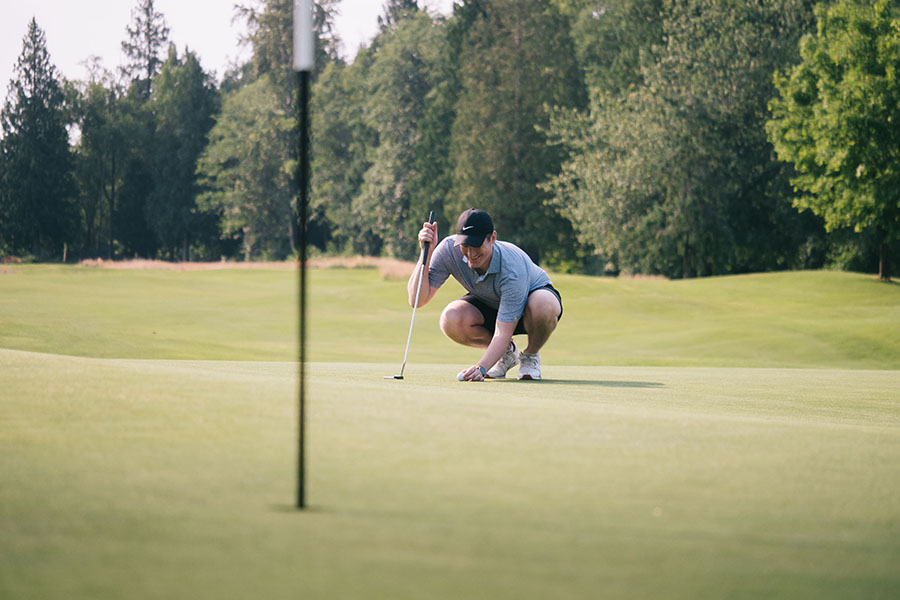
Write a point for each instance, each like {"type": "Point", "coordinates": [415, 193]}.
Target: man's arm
{"type": "Point", "coordinates": [427, 234]}
{"type": "Point", "coordinates": [503, 333]}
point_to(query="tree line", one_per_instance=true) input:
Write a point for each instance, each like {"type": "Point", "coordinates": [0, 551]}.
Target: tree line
{"type": "Point", "coordinates": [674, 137]}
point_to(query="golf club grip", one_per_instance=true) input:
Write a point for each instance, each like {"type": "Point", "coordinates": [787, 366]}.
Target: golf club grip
{"type": "Point", "coordinates": [425, 246]}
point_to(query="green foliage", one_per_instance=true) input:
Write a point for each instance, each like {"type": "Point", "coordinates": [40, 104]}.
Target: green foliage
{"type": "Point", "coordinates": [248, 168]}
{"type": "Point", "coordinates": [38, 214]}
{"type": "Point", "coordinates": [99, 157]}
{"type": "Point", "coordinates": [247, 173]}
{"type": "Point", "coordinates": [395, 11]}
{"type": "Point", "coordinates": [833, 118]}
{"type": "Point", "coordinates": [380, 140]}
{"type": "Point", "coordinates": [340, 138]}
{"type": "Point", "coordinates": [516, 63]}
{"type": "Point", "coordinates": [183, 103]}
{"type": "Point", "coordinates": [611, 39]}
{"type": "Point", "coordinates": [674, 175]}
{"type": "Point", "coordinates": [148, 35]}
{"type": "Point", "coordinates": [270, 34]}
{"type": "Point", "coordinates": [133, 234]}
{"type": "Point", "coordinates": [399, 81]}
{"type": "Point", "coordinates": [635, 127]}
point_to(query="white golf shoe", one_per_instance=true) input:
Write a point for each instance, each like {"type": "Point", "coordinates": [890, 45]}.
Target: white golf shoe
{"type": "Point", "coordinates": [530, 367]}
{"type": "Point", "coordinates": [509, 359]}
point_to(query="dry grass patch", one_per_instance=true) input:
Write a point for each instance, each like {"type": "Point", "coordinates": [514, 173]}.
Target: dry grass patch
{"type": "Point", "coordinates": [389, 268]}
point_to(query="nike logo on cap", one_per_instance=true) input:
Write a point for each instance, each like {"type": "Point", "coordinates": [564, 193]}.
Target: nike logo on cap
{"type": "Point", "coordinates": [468, 227]}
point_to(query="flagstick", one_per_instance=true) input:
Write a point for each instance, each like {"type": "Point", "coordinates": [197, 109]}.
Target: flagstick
{"type": "Point", "coordinates": [303, 64]}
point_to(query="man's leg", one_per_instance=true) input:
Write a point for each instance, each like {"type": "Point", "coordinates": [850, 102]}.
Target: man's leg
{"type": "Point", "coordinates": [541, 317]}
{"type": "Point", "coordinates": [464, 324]}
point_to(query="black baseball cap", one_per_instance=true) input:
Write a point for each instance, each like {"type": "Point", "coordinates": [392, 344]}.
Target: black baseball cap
{"type": "Point", "coordinates": [472, 227]}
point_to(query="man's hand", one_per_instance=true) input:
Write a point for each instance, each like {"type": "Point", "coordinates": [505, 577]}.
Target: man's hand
{"type": "Point", "coordinates": [473, 373]}
{"type": "Point", "coordinates": [428, 233]}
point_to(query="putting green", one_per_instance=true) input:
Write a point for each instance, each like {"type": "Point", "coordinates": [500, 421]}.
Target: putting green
{"type": "Point", "coordinates": [174, 479]}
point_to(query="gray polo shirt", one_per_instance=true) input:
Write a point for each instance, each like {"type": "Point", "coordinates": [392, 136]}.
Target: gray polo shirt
{"type": "Point", "coordinates": [510, 277]}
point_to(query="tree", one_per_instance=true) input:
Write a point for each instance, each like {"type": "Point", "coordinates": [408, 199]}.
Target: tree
{"type": "Point", "coordinates": [517, 61]}
{"type": "Point", "coordinates": [244, 173]}
{"type": "Point", "coordinates": [100, 159]}
{"type": "Point", "coordinates": [270, 33]}
{"type": "Point", "coordinates": [37, 212]}
{"type": "Point", "coordinates": [836, 118]}
{"type": "Point", "coordinates": [674, 175]}
{"type": "Point", "coordinates": [133, 235]}
{"type": "Point", "coordinates": [399, 80]}
{"type": "Point", "coordinates": [395, 11]}
{"type": "Point", "coordinates": [183, 103]}
{"type": "Point", "coordinates": [341, 139]}
{"type": "Point", "coordinates": [147, 36]}
{"type": "Point", "coordinates": [612, 37]}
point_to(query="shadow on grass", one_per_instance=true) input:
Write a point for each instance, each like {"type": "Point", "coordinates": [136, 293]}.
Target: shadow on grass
{"type": "Point", "coordinates": [292, 508]}
{"type": "Point", "coordinates": [587, 382]}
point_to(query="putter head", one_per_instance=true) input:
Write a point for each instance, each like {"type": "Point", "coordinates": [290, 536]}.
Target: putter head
{"type": "Point", "coordinates": [393, 376]}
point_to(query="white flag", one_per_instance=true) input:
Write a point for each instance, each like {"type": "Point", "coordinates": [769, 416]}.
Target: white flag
{"type": "Point", "coordinates": [304, 47]}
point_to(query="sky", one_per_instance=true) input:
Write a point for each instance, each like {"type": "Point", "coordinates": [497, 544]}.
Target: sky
{"type": "Point", "coordinates": [78, 29]}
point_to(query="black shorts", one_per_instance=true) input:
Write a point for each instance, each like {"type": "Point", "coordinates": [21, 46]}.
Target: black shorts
{"type": "Point", "coordinates": [490, 313]}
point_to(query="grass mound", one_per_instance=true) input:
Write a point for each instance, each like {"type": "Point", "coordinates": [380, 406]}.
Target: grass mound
{"type": "Point", "coordinates": [803, 320]}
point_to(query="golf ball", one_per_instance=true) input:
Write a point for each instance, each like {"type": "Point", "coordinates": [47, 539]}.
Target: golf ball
{"type": "Point", "coordinates": [461, 377]}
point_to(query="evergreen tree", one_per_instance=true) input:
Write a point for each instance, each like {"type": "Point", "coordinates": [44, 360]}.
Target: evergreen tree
{"type": "Point", "coordinates": [37, 212]}
{"type": "Point", "coordinates": [270, 33]}
{"type": "Point", "coordinates": [147, 37]}
{"type": "Point", "coordinates": [100, 159]}
{"type": "Point", "coordinates": [183, 103]}
{"type": "Point", "coordinates": [395, 11]}
{"type": "Point", "coordinates": [133, 235]}
{"type": "Point", "coordinates": [517, 60]}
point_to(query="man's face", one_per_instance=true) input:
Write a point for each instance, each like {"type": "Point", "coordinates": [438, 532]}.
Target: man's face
{"type": "Point", "coordinates": [480, 257]}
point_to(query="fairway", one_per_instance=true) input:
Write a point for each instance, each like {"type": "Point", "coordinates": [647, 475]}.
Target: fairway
{"type": "Point", "coordinates": [135, 467]}
{"type": "Point", "coordinates": [804, 320]}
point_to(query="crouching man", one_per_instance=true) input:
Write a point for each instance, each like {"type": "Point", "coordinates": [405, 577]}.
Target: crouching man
{"type": "Point", "coordinates": [507, 295]}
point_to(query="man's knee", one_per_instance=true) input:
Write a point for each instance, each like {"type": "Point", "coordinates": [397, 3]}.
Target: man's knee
{"type": "Point", "coordinates": [458, 316]}
{"type": "Point", "coordinates": [543, 308]}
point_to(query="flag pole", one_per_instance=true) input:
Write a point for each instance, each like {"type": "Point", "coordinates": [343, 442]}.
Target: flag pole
{"type": "Point", "coordinates": [303, 63]}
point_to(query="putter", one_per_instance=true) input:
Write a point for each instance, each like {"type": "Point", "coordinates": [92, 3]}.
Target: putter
{"type": "Point", "coordinates": [415, 305]}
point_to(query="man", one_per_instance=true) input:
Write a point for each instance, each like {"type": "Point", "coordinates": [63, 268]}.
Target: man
{"type": "Point", "coordinates": [507, 295]}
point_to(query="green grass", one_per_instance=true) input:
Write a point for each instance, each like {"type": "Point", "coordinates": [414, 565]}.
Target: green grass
{"type": "Point", "coordinates": [148, 425]}
{"type": "Point", "coordinates": [162, 479]}
{"type": "Point", "coordinates": [802, 320]}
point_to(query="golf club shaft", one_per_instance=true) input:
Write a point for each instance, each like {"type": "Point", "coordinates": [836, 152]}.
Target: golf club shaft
{"type": "Point", "coordinates": [413, 320]}
{"type": "Point", "coordinates": [416, 303]}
